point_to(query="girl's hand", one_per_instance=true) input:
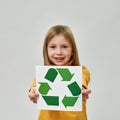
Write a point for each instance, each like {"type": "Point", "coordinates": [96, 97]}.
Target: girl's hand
{"type": "Point", "coordinates": [33, 95]}
{"type": "Point", "coordinates": [85, 93]}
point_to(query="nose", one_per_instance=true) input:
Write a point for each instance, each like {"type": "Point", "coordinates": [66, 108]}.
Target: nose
{"type": "Point", "coordinates": [58, 51]}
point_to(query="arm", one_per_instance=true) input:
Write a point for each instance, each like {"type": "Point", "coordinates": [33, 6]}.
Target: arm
{"type": "Point", "coordinates": [85, 82]}
{"type": "Point", "coordinates": [33, 95]}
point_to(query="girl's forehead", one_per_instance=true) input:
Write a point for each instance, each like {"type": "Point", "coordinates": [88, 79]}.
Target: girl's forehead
{"type": "Point", "coordinates": [59, 38]}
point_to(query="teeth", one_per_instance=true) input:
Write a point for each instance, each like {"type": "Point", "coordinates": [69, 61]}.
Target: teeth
{"type": "Point", "coordinates": [59, 58]}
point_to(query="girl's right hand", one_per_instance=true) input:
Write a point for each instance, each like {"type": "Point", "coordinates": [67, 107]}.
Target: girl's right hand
{"type": "Point", "coordinates": [33, 95]}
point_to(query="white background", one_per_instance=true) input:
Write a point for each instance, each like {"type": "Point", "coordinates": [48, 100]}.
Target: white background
{"type": "Point", "coordinates": [23, 25]}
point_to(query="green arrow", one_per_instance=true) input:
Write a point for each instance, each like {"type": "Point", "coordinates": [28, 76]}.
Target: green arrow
{"type": "Point", "coordinates": [51, 74]}
{"type": "Point", "coordinates": [65, 74]}
{"type": "Point", "coordinates": [74, 88]}
{"type": "Point", "coordinates": [44, 88]}
{"type": "Point", "coordinates": [69, 101]}
{"type": "Point", "coordinates": [51, 100]}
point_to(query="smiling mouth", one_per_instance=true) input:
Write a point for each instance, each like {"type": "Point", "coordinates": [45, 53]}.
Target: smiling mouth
{"type": "Point", "coordinates": [60, 59]}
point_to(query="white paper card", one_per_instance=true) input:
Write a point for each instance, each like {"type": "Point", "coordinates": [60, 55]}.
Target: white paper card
{"type": "Point", "coordinates": [59, 87]}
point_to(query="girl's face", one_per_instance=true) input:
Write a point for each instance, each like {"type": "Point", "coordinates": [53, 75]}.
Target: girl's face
{"type": "Point", "coordinates": [59, 50]}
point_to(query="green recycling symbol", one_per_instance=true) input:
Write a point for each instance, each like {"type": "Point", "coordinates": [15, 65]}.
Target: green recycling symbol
{"type": "Point", "coordinates": [66, 76]}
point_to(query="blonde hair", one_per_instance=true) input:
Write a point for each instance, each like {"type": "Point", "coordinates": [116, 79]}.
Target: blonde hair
{"type": "Point", "coordinates": [67, 33]}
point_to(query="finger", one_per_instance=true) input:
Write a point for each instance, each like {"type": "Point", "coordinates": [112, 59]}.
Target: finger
{"type": "Point", "coordinates": [33, 90]}
{"type": "Point", "coordinates": [33, 93]}
{"type": "Point", "coordinates": [86, 91]}
{"type": "Point", "coordinates": [33, 97]}
{"type": "Point", "coordinates": [30, 95]}
{"type": "Point", "coordinates": [34, 101]}
{"type": "Point", "coordinates": [85, 96]}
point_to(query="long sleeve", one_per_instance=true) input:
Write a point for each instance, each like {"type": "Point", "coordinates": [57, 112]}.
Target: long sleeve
{"type": "Point", "coordinates": [33, 84]}
{"type": "Point", "coordinates": [85, 77]}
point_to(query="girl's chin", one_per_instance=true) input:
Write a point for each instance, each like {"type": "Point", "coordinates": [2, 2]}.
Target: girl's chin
{"type": "Point", "coordinates": [59, 64]}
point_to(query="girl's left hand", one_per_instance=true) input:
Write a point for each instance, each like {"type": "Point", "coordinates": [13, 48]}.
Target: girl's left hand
{"type": "Point", "coordinates": [85, 93]}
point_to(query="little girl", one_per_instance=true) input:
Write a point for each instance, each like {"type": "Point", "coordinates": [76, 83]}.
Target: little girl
{"type": "Point", "coordinates": [60, 49]}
